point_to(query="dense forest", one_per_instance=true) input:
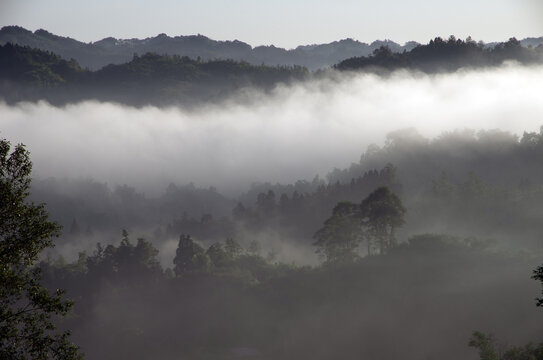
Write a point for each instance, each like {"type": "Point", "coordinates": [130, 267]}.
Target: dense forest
{"type": "Point", "coordinates": [450, 266]}
{"type": "Point", "coordinates": [446, 55]}
{"type": "Point", "coordinates": [481, 184]}
{"type": "Point", "coordinates": [107, 51]}
{"type": "Point", "coordinates": [29, 74]}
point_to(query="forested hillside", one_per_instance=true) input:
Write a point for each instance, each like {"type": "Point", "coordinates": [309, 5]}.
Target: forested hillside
{"type": "Point", "coordinates": [484, 184]}
{"type": "Point", "coordinates": [31, 75]}
{"type": "Point", "coordinates": [151, 79]}
{"type": "Point", "coordinates": [107, 51]}
{"type": "Point", "coordinates": [446, 55]}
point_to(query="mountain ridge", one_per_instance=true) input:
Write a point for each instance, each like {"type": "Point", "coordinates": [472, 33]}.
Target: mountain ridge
{"type": "Point", "coordinates": [110, 50]}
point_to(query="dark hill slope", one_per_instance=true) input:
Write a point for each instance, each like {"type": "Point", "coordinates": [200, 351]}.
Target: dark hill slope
{"type": "Point", "coordinates": [446, 55]}
{"type": "Point", "coordinates": [116, 51]}
{"type": "Point", "coordinates": [32, 74]}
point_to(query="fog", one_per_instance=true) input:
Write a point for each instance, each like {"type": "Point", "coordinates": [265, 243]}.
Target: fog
{"type": "Point", "coordinates": [293, 133]}
{"type": "Point", "coordinates": [264, 291]}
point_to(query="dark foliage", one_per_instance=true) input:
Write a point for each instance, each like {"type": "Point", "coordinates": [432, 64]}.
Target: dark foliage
{"type": "Point", "coordinates": [445, 55]}
{"type": "Point", "coordinates": [374, 221]}
{"type": "Point", "coordinates": [32, 74]}
{"type": "Point", "coordinates": [27, 309]}
{"type": "Point", "coordinates": [538, 275]}
{"type": "Point", "coordinates": [117, 51]}
{"type": "Point", "coordinates": [241, 301]}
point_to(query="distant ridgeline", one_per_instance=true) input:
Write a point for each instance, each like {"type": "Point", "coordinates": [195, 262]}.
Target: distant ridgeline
{"type": "Point", "coordinates": [30, 74]}
{"type": "Point", "coordinates": [447, 55]}
{"type": "Point", "coordinates": [117, 51]}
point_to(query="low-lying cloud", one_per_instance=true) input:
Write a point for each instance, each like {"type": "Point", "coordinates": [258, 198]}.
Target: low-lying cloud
{"type": "Point", "coordinates": [293, 133]}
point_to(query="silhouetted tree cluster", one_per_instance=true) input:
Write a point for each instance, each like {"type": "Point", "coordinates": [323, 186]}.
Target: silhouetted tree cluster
{"type": "Point", "coordinates": [300, 214]}
{"type": "Point", "coordinates": [374, 221]}
{"type": "Point", "coordinates": [445, 55]}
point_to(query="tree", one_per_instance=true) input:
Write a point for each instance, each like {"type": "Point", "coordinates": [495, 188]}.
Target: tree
{"type": "Point", "coordinates": [27, 330]}
{"type": "Point", "coordinates": [538, 275]}
{"type": "Point", "coordinates": [233, 248]}
{"type": "Point", "coordinates": [374, 221]}
{"type": "Point", "coordinates": [338, 239]}
{"type": "Point", "coordinates": [189, 256]}
{"type": "Point", "coordinates": [485, 344]}
{"type": "Point", "coordinates": [381, 213]}
{"type": "Point", "coordinates": [217, 255]}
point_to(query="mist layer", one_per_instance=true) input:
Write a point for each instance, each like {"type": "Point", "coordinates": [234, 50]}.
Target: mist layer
{"type": "Point", "coordinates": [293, 133]}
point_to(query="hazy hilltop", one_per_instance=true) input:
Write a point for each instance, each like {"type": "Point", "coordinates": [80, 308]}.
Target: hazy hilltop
{"type": "Point", "coordinates": [28, 73]}
{"type": "Point", "coordinates": [446, 55]}
{"type": "Point", "coordinates": [109, 50]}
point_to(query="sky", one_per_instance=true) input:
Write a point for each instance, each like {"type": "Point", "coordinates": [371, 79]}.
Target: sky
{"type": "Point", "coordinates": [280, 22]}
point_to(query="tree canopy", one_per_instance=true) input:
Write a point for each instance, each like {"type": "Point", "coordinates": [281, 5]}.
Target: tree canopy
{"type": "Point", "coordinates": [445, 55]}
{"type": "Point", "coordinates": [374, 221]}
{"type": "Point", "coordinates": [27, 330]}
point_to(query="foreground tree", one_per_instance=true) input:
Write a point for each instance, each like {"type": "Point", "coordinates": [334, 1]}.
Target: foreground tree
{"type": "Point", "coordinates": [27, 330]}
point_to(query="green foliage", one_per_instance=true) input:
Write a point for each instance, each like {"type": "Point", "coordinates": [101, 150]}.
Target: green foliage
{"type": "Point", "coordinates": [26, 308]}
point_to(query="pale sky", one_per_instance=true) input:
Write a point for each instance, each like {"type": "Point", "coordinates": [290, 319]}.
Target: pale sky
{"type": "Point", "coordinates": [280, 22]}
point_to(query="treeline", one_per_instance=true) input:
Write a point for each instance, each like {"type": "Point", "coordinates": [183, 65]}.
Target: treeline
{"type": "Point", "coordinates": [445, 55]}
{"type": "Point", "coordinates": [226, 302]}
{"type": "Point", "coordinates": [28, 74]}
{"type": "Point", "coordinates": [32, 74]}
{"type": "Point", "coordinates": [484, 184]}
{"type": "Point", "coordinates": [90, 211]}
{"type": "Point", "coordinates": [100, 53]}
